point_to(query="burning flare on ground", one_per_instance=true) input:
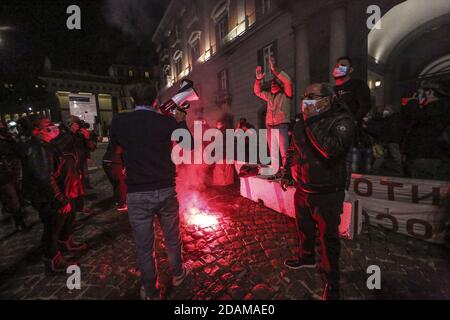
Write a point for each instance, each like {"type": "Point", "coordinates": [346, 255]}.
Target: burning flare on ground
{"type": "Point", "coordinates": [201, 219]}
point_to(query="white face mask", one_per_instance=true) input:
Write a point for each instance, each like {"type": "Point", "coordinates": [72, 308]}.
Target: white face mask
{"type": "Point", "coordinates": [340, 71]}
{"type": "Point", "coordinates": [309, 104]}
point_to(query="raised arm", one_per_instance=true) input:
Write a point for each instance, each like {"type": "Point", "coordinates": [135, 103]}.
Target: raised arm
{"type": "Point", "coordinates": [257, 87]}
{"type": "Point", "coordinates": [283, 77]}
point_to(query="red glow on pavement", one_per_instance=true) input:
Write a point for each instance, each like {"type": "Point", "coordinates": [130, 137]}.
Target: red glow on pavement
{"type": "Point", "coordinates": [201, 219]}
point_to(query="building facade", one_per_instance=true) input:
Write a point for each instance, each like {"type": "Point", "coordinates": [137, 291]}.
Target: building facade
{"type": "Point", "coordinates": [218, 44]}
{"type": "Point", "coordinates": [109, 94]}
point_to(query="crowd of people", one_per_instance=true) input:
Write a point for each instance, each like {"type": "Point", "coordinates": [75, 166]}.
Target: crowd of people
{"type": "Point", "coordinates": [44, 165]}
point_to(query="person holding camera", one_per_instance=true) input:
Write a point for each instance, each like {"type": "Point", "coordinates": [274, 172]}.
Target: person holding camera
{"type": "Point", "coordinates": [321, 140]}
{"type": "Point", "coordinates": [84, 145]}
{"type": "Point", "coordinates": [145, 138]}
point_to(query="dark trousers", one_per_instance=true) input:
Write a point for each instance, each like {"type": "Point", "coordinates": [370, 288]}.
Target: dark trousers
{"type": "Point", "coordinates": [57, 227]}
{"type": "Point", "coordinates": [10, 199]}
{"type": "Point", "coordinates": [320, 215]}
{"type": "Point", "coordinates": [143, 208]}
{"type": "Point", "coordinates": [117, 180]}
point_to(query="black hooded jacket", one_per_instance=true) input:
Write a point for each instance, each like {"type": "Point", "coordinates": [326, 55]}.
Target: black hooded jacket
{"type": "Point", "coordinates": [319, 148]}
{"type": "Point", "coordinates": [50, 175]}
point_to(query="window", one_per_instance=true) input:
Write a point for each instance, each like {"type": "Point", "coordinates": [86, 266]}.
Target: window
{"type": "Point", "coordinates": [223, 80]}
{"type": "Point", "coordinates": [167, 75]}
{"type": "Point", "coordinates": [220, 17]}
{"type": "Point", "coordinates": [266, 6]}
{"type": "Point", "coordinates": [222, 28]}
{"type": "Point", "coordinates": [178, 67]}
{"type": "Point", "coordinates": [131, 73]}
{"type": "Point", "coordinates": [178, 60]}
{"type": "Point", "coordinates": [263, 58]}
{"type": "Point", "coordinates": [147, 74]}
{"type": "Point", "coordinates": [195, 51]}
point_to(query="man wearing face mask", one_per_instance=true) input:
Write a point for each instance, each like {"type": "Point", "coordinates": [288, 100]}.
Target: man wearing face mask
{"type": "Point", "coordinates": [321, 140]}
{"type": "Point", "coordinates": [356, 95]}
{"type": "Point", "coordinates": [278, 114]}
{"type": "Point", "coordinates": [51, 180]}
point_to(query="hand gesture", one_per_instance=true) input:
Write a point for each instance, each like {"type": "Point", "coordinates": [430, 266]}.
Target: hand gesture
{"type": "Point", "coordinates": [66, 209]}
{"type": "Point", "coordinates": [259, 73]}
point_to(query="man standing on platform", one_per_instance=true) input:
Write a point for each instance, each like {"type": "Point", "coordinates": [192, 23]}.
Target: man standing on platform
{"type": "Point", "coordinates": [321, 140]}
{"type": "Point", "coordinates": [278, 116]}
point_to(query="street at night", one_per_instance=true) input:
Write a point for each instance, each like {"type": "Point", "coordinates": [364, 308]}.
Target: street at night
{"type": "Point", "coordinates": [238, 256]}
{"type": "Point", "coordinates": [224, 158]}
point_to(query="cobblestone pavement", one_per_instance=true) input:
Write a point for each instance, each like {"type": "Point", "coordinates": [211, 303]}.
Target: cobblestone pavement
{"type": "Point", "coordinates": [241, 257]}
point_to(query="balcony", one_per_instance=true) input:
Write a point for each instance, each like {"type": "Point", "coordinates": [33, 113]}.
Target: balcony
{"type": "Point", "coordinates": [240, 29]}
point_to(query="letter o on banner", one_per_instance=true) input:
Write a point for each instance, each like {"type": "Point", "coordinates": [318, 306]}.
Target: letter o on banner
{"type": "Point", "coordinates": [356, 184]}
{"type": "Point", "coordinates": [410, 229]}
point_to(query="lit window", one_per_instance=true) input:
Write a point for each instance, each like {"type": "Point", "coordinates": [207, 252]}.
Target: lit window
{"type": "Point", "coordinates": [147, 74]}
{"type": "Point", "coordinates": [220, 18]}
{"type": "Point", "coordinates": [195, 50]}
{"type": "Point", "coordinates": [222, 28]}
{"type": "Point", "coordinates": [178, 60]}
{"type": "Point", "coordinates": [167, 75]}
{"type": "Point", "coordinates": [130, 73]}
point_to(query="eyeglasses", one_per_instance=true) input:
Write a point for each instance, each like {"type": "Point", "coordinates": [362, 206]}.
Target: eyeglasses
{"type": "Point", "coordinates": [312, 96]}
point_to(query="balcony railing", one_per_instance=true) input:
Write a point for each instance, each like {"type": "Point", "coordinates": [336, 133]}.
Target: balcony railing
{"type": "Point", "coordinates": [240, 29]}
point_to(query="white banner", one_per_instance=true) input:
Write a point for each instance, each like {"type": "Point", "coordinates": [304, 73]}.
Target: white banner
{"type": "Point", "coordinates": [417, 208]}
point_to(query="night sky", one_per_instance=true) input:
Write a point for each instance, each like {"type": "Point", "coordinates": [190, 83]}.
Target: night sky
{"type": "Point", "coordinates": [113, 31]}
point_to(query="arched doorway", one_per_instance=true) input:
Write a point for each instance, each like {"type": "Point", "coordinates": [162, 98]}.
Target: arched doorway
{"type": "Point", "coordinates": [412, 38]}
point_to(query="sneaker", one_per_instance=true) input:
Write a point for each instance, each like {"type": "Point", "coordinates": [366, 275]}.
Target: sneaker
{"type": "Point", "coordinates": [308, 262]}
{"type": "Point", "coordinates": [58, 264]}
{"type": "Point", "coordinates": [122, 208]}
{"type": "Point", "coordinates": [178, 280]}
{"type": "Point", "coordinates": [70, 246]}
{"type": "Point", "coordinates": [144, 296]}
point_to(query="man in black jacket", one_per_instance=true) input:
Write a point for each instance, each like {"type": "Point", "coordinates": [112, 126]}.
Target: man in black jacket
{"type": "Point", "coordinates": [321, 140]}
{"type": "Point", "coordinates": [356, 95]}
{"type": "Point", "coordinates": [52, 183]}
{"type": "Point", "coordinates": [10, 194]}
{"type": "Point", "coordinates": [145, 137]}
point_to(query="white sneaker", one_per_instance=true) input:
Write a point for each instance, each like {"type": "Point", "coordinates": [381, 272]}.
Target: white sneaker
{"type": "Point", "coordinates": [178, 280]}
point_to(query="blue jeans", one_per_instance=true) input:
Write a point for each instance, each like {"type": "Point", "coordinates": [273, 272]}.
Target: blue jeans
{"type": "Point", "coordinates": [283, 141]}
{"type": "Point", "coordinates": [142, 208]}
